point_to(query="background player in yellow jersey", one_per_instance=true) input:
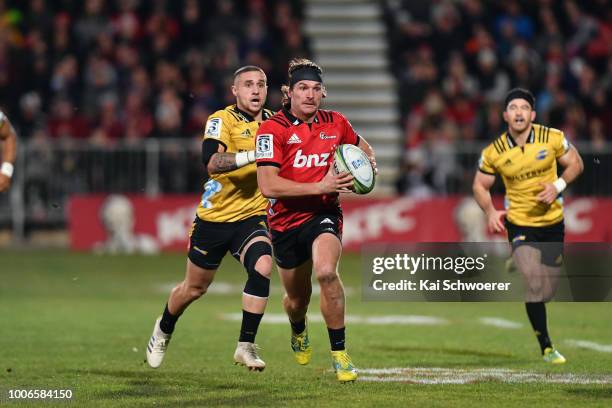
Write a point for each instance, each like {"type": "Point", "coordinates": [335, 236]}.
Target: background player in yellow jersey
{"type": "Point", "coordinates": [8, 146]}
{"type": "Point", "coordinates": [526, 157]}
{"type": "Point", "coordinates": [230, 217]}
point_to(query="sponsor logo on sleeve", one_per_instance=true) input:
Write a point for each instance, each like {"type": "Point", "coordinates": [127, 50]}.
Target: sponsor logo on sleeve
{"type": "Point", "coordinates": [213, 128]}
{"type": "Point", "coordinates": [263, 148]}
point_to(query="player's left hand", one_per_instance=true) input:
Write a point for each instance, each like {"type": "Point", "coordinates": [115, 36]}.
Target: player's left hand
{"type": "Point", "coordinates": [373, 161]}
{"type": "Point", "coordinates": [548, 194]}
{"type": "Point", "coordinates": [5, 183]}
{"type": "Point", "coordinates": [370, 155]}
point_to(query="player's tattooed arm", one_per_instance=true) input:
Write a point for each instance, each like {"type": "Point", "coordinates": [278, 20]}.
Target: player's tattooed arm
{"type": "Point", "coordinates": [217, 160]}
{"type": "Point", "coordinates": [222, 163]}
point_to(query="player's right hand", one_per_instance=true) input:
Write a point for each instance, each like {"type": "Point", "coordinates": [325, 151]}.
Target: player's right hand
{"type": "Point", "coordinates": [495, 221]}
{"type": "Point", "coordinates": [332, 183]}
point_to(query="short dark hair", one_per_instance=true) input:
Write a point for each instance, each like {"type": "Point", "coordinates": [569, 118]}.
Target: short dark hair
{"type": "Point", "coordinates": [247, 68]}
{"type": "Point", "coordinates": [519, 93]}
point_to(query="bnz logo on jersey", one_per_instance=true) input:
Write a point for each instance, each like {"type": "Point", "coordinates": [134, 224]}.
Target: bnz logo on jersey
{"type": "Point", "coordinates": [311, 160]}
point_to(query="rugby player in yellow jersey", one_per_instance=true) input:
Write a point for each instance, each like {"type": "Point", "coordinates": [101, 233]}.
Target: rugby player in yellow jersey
{"type": "Point", "coordinates": [526, 157]}
{"type": "Point", "coordinates": [8, 145]}
{"type": "Point", "coordinates": [231, 217]}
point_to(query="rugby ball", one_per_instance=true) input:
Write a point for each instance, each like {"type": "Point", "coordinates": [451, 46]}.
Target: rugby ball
{"type": "Point", "coordinates": [351, 159]}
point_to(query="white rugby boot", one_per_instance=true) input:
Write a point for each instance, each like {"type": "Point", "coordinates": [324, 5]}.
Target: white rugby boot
{"type": "Point", "coordinates": [246, 355]}
{"type": "Point", "coordinates": [156, 349]}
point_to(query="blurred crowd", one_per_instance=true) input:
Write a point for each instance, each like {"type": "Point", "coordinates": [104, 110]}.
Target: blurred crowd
{"type": "Point", "coordinates": [455, 61]}
{"type": "Point", "coordinates": [125, 70]}
{"type": "Point", "coordinates": [100, 77]}
{"type": "Point", "coordinates": [117, 72]}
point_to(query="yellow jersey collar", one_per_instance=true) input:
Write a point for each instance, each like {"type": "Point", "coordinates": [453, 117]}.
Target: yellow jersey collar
{"type": "Point", "coordinates": [245, 116]}
{"type": "Point", "coordinates": [512, 143]}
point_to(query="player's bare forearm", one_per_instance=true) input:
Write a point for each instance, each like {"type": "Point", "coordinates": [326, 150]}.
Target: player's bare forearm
{"type": "Point", "coordinates": [365, 146]}
{"type": "Point", "coordinates": [274, 186]}
{"type": "Point", "coordinates": [483, 198]}
{"type": "Point", "coordinates": [482, 191]}
{"type": "Point", "coordinates": [8, 137]}
{"type": "Point", "coordinates": [8, 142]}
{"type": "Point", "coordinates": [573, 165]}
{"type": "Point", "coordinates": [222, 163]}
{"type": "Point", "coordinates": [482, 194]}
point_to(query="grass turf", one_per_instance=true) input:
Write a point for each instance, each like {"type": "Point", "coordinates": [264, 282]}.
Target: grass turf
{"type": "Point", "coordinates": [81, 322]}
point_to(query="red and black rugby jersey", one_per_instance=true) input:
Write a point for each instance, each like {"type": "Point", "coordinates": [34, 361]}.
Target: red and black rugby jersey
{"type": "Point", "coordinates": [303, 152]}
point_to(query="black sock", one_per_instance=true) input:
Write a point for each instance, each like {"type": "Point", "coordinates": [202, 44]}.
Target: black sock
{"type": "Point", "coordinates": [298, 327]}
{"type": "Point", "coordinates": [537, 316]}
{"type": "Point", "coordinates": [336, 338]}
{"type": "Point", "coordinates": [168, 321]}
{"type": "Point", "coordinates": [250, 324]}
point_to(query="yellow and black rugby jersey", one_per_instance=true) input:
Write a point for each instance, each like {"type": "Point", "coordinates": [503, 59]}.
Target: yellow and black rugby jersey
{"type": "Point", "coordinates": [523, 169]}
{"type": "Point", "coordinates": [232, 196]}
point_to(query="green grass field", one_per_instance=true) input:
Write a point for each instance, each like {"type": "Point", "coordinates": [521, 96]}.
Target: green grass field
{"type": "Point", "coordinates": [82, 322]}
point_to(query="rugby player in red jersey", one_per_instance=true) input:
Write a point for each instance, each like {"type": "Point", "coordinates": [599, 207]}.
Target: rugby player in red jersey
{"type": "Point", "coordinates": [294, 152]}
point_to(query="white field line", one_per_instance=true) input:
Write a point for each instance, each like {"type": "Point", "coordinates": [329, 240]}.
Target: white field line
{"type": "Point", "coordinates": [440, 375]}
{"type": "Point", "coordinates": [226, 288]}
{"type": "Point", "coordinates": [591, 345]}
{"type": "Point", "coordinates": [280, 318]}
{"type": "Point", "coordinates": [500, 322]}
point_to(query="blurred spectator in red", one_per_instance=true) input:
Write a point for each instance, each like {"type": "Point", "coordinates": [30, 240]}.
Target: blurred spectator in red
{"type": "Point", "coordinates": [137, 118]}
{"type": "Point", "coordinates": [127, 23]}
{"type": "Point", "coordinates": [109, 117]}
{"type": "Point", "coordinates": [65, 121]}
{"type": "Point", "coordinates": [457, 80]}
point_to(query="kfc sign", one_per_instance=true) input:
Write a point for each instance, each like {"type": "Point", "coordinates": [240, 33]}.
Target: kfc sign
{"type": "Point", "coordinates": [127, 224]}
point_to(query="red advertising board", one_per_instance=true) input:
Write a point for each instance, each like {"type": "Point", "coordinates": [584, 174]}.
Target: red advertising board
{"type": "Point", "coordinates": [118, 223]}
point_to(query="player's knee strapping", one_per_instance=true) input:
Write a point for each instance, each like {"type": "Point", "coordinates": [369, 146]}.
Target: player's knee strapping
{"type": "Point", "coordinates": [257, 284]}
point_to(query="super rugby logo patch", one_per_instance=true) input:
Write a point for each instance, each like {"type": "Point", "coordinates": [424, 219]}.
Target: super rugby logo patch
{"type": "Point", "coordinates": [213, 128]}
{"type": "Point", "coordinates": [263, 146]}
